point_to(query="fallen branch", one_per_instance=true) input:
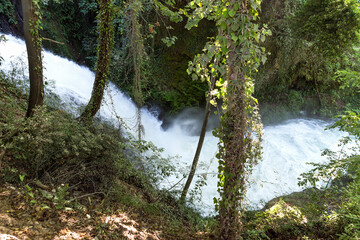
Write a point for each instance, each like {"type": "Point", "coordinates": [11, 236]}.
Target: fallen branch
{"type": "Point", "coordinates": [50, 40]}
{"type": "Point", "coordinates": [2, 154]}
{"type": "Point", "coordinates": [168, 190]}
{"type": "Point", "coordinates": [39, 184]}
{"type": "Point", "coordinates": [86, 195]}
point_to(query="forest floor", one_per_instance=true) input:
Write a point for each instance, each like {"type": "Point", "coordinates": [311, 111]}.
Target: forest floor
{"type": "Point", "coordinates": [32, 210]}
{"type": "Point", "coordinates": [21, 219]}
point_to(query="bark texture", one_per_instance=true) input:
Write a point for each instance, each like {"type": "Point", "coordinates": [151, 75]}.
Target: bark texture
{"type": "Point", "coordinates": [197, 153]}
{"type": "Point", "coordinates": [103, 61]}
{"type": "Point", "coordinates": [33, 47]}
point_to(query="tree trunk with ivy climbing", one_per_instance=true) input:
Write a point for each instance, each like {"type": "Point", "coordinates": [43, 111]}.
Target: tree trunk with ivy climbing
{"type": "Point", "coordinates": [236, 139]}
{"type": "Point", "coordinates": [103, 59]}
{"type": "Point", "coordinates": [32, 18]}
{"type": "Point", "coordinates": [241, 129]}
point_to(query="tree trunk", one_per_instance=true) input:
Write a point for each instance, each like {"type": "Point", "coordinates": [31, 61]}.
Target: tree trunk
{"type": "Point", "coordinates": [235, 140]}
{"type": "Point", "coordinates": [31, 17]}
{"type": "Point", "coordinates": [197, 153]}
{"type": "Point", "coordinates": [103, 60]}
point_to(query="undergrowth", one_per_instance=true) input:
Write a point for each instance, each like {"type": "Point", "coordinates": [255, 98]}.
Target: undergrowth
{"type": "Point", "coordinates": [54, 150]}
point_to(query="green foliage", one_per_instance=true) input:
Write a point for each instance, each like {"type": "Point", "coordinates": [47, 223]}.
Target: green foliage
{"type": "Point", "coordinates": [169, 41]}
{"type": "Point", "coordinates": [60, 195]}
{"type": "Point", "coordinates": [349, 85]}
{"type": "Point", "coordinates": [308, 65]}
{"type": "Point", "coordinates": [149, 157]}
{"type": "Point", "coordinates": [73, 24]}
{"type": "Point", "coordinates": [231, 59]}
{"type": "Point", "coordinates": [313, 213]}
{"type": "Point", "coordinates": [164, 80]}
{"type": "Point", "coordinates": [301, 215]}
{"type": "Point", "coordinates": [350, 212]}
{"type": "Point", "coordinates": [296, 101]}
{"type": "Point", "coordinates": [281, 220]}
{"type": "Point", "coordinates": [88, 7]}
{"type": "Point", "coordinates": [7, 8]}
{"type": "Point", "coordinates": [342, 164]}
{"type": "Point", "coordinates": [51, 144]}
{"type": "Point", "coordinates": [331, 25]}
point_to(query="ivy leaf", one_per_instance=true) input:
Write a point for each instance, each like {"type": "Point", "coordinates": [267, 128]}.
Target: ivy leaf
{"type": "Point", "coordinates": [234, 38]}
{"type": "Point", "coordinates": [262, 38]}
{"type": "Point", "coordinates": [232, 13]}
{"type": "Point", "coordinates": [223, 26]}
{"type": "Point", "coordinates": [235, 26]}
{"type": "Point", "coordinates": [225, 13]}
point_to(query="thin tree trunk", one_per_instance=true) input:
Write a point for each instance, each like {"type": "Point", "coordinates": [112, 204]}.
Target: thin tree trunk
{"type": "Point", "coordinates": [33, 47]}
{"type": "Point", "coordinates": [138, 54]}
{"type": "Point", "coordinates": [197, 153]}
{"type": "Point", "coordinates": [103, 61]}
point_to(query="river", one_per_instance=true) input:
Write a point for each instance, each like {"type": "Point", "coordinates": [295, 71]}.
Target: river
{"type": "Point", "coordinates": [288, 146]}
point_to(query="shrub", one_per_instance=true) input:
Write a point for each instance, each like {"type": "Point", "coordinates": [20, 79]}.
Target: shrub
{"type": "Point", "coordinates": [343, 164]}
{"type": "Point", "coordinates": [55, 148]}
{"type": "Point", "coordinates": [281, 221]}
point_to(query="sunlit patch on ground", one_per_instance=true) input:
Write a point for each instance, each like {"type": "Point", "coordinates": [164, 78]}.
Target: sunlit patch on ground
{"type": "Point", "coordinates": [20, 220]}
{"type": "Point", "coordinates": [130, 229]}
{"type": "Point", "coordinates": [7, 237]}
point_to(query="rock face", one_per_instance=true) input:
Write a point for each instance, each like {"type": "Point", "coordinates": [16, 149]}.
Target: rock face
{"type": "Point", "coordinates": [7, 25]}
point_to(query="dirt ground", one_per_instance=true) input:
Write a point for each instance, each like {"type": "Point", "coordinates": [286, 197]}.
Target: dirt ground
{"type": "Point", "coordinates": [19, 219]}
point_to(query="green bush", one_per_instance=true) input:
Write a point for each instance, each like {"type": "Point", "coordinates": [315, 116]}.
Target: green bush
{"type": "Point", "coordinates": [350, 212]}
{"type": "Point", "coordinates": [281, 221]}
{"type": "Point", "coordinates": [342, 164]}
{"type": "Point", "coordinates": [54, 147]}
{"type": "Point", "coordinates": [295, 101]}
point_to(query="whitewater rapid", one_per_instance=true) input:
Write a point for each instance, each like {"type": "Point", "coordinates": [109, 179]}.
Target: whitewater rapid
{"type": "Point", "coordinates": [287, 146]}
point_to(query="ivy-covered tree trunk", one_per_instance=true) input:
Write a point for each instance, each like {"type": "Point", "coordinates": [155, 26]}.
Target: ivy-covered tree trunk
{"type": "Point", "coordinates": [235, 140]}
{"type": "Point", "coordinates": [233, 57]}
{"type": "Point", "coordinates": [240, 149]}
{"type": "Point", "coordinates": [105, 27]}
{"type": "Point", "coordinates": [31, 16]}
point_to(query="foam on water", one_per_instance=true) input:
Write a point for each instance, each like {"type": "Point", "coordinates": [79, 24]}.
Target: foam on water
{"type": "Point", "coordinates": [287, 146]}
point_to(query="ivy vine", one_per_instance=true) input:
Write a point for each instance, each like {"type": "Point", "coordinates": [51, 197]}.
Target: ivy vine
{"type": "Point", "coordinates": [232, 58]}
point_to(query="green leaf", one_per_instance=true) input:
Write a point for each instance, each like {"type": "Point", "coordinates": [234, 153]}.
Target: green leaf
{"type": "Point", "coordinates": [223, 26]}
{"type": "Point", "coordinates": [262, 38]}
{"type": "Point", "coordinates": [232, 13]}
{"type": "Point", "coordinates": [235, 26]}
{"type": "Point", "coordinates": [22, 177]}
{"type": "Point", "coordinates": [28, 187]}
{"type": "Point", "coordinates": [225, 13]}
{"type": "Point", "coordinates": [236, 6]}
{"type": "Point", "coordinates": [234, 38]}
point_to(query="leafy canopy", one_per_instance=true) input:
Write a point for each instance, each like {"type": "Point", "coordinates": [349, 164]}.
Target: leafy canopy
{"type": "Point", "coordinates": [331, 25]}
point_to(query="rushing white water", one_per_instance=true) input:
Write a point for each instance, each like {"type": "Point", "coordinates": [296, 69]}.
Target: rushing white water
{"type": "Point", "coordinates": [287, 146]}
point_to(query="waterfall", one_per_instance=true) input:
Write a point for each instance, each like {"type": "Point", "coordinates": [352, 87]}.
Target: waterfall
{"type": "Point", "coordinates": [287, 146]}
